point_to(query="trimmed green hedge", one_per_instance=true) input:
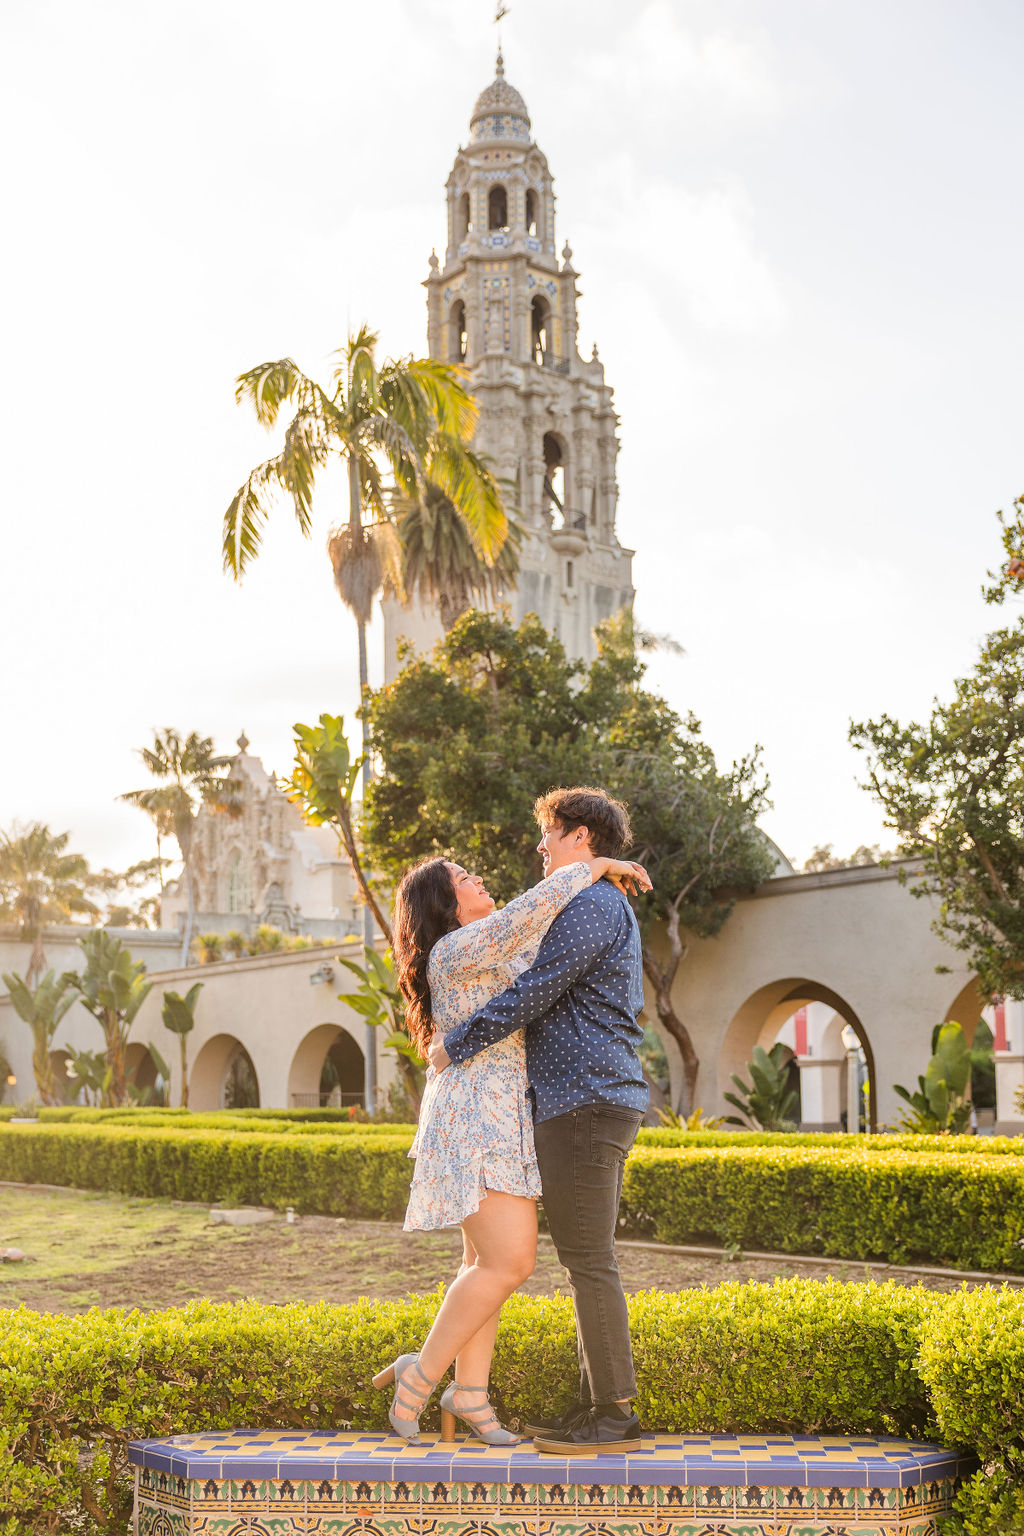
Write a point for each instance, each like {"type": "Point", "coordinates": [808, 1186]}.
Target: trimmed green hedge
{"type": "Point", "coordinates": [341, 1175]}
{"type": "Point", "coordinates": [795, 1357]}
{"type": "Point", "coordinates": [790, 1357]}
{"type": "Point", "coordinates": [897, 1207]}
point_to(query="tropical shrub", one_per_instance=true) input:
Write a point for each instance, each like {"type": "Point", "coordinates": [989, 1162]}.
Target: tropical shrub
{"type": "Point", "coordinates": [942, 1101]}
{"type": "Point", "coordinates": [769, 1101]}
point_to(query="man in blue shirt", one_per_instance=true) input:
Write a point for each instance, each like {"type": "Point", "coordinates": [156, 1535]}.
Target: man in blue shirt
{"type": "Point", "coordinates": [579, 1003]}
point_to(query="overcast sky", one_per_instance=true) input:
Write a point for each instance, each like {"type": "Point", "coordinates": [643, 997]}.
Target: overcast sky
{"type": "Point", "coordinates": [799, 231]}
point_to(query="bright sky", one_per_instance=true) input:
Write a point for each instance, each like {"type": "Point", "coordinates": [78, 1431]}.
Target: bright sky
{"type": "Point", "coordinates": [799, 228]}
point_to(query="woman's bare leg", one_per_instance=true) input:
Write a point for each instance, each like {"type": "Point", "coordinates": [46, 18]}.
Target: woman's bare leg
{"type": "Point", "coordinates": [499, 1253]}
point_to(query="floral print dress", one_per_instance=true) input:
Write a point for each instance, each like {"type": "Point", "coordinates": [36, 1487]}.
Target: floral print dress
{"type": "Point", "coordinates": [476, 1127]}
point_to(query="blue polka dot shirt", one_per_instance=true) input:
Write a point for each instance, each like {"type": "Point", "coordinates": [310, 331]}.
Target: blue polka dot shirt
{"type": "Point", "coordinates": [579, 1003]}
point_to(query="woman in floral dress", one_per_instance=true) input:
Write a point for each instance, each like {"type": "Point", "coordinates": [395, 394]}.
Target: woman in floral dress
{"type": "Point", "coordinates": [475, 1160]}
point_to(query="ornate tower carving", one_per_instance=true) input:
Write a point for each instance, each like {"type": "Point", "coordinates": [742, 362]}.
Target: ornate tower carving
{"type": "Point", "coordinates": [504, 306]}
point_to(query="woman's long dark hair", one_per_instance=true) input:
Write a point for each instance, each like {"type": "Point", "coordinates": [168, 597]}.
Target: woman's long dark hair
{"type": "Point", "coordinates": [426, 908]}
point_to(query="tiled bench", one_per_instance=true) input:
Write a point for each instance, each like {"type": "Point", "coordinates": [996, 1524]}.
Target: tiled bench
{"type": "Point", "coordinates": [270, 1483]}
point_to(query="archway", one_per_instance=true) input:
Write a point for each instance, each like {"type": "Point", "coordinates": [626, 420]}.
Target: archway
{"type": "Point", "coordinates": [59, 1062]}
{"type": "Point", "coordinates": [761, 1019]}
{"type": "Point", "coordinates": [540, 336]}
{"type": "Point", "coordinates": [457, 337]}
{"type": "Point", "coordinates": [328, 1068]}
{"type": "Point", "coordinates": [223, 1076]}
{"type": "Point", "coordinates": [531, 212]}
{"type": "Point", "coordinates": [497, 208]}
{"type": "Point", "coordinates": [462, 224]}
{"type": "Point", "coordinates": [142, 1073]}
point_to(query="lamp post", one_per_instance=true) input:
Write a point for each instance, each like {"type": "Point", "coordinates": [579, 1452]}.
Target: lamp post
{"type": "Point", "coordinates": [851, 1044]}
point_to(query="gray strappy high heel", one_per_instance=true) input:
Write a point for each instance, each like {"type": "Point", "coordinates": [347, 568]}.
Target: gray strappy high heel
{"type": "Point", "coordinates": [478, 1426]}
{"type": "Point", "coordinates": [398, 1373]}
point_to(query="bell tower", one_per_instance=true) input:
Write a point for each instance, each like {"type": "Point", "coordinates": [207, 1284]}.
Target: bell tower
{"type": "Point", "coordinates": [504, 306]}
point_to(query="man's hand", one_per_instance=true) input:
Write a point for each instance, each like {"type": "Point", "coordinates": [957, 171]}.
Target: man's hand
{"type": "Point", "coordinates": [437, 1055]}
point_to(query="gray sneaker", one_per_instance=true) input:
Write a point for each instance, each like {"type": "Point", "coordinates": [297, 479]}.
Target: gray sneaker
{"type": "Point", "coordinates": [561, 1423]}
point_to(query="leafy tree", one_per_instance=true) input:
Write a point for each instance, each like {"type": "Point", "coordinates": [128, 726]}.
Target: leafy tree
{"type": "Point", "coordinates": [769, 1102]}
{"type": "Point", "coordinates": [321, 785]}
{"type": "Point", "coordinates": [824, 857]}
{"type": "Point", "coordinates": [40, 883]}
{"type": "Point", "coordinates": [118, 891]}
{"type": "Point", "coordinates": [952, 788]}
{"type": "Point", "coordinates": [113, 988]}
{"type": "Point", "coordinates": [179, 1016]}
{"type": "Point", "coordinates": [410, 420]}
{"type": "Point", "coordinates": [191, 776]}
{"type": "Point", "coordinates": [1008, 581]}
{"type": "Point", "coordinates": [469, 737]}
{"type": "Point", "coordinates": [942, 1101]}
{"type": "Point", "coordinates": [378, 1000]}
{"type": "Point", "coordinates": [42, 1007]}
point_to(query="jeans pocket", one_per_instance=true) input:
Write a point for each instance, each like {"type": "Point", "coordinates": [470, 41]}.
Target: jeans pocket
{"type": "Point", "coordinates": [612, 1133]}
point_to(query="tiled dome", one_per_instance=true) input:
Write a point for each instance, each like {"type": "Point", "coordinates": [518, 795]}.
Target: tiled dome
{"type": "Point", "coordinates": [499, 100]}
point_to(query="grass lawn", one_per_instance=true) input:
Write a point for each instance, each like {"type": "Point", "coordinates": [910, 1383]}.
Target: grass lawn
{"type": "Point", "coordinates": [86, 1250]}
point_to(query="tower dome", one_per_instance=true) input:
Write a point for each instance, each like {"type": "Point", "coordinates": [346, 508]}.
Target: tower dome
{"type": "Point", "coordinates": [500, 111]}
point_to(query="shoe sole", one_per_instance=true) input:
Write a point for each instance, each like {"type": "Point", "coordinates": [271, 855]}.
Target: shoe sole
{"type": "Point", "coordinates": [569, 1448]}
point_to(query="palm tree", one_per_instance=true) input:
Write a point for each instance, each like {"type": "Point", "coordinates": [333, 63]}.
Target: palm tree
{"type": "Point", "coordinates": [411, 419]}
{"type": "Point", "coordinates": [40, 882]}
{"type": "Point", "coordinates": [441, 564]}
{"type": "Point", "coordinates": [192, 776]}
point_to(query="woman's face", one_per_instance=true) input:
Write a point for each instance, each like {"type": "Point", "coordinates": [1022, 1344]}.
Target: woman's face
{"type": "Point", "coordinates": [473, 901]}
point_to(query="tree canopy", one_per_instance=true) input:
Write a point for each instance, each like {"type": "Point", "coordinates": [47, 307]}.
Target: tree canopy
{"type": "Point", "coordinates": [952, 789]}
{"type": "Point", "coordinates": [467, 739]}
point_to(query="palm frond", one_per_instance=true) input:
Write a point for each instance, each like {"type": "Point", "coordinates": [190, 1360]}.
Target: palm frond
{"type": "Point", "coordinates": [467, 480]}
{"type": "Point", "coordinates": [268, 386]}
{"type": "Point", "coordinates": [307, 447]}
{"type": "Point", "coordinates": [249, 509]}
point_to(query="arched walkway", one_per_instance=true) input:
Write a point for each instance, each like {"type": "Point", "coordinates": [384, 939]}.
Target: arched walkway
{"type": "Point", "coordinates": [328, 1067]}
{"type": "Point", "coordinates": [223, 1076]}
{"type": "Point", "coordinates": [761, 1019]}
{"type": "Point", "coordinates": [141, 1071]}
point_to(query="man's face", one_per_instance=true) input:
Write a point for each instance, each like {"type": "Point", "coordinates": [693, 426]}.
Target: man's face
{"type": "Point", "coordinates": [558, 848]}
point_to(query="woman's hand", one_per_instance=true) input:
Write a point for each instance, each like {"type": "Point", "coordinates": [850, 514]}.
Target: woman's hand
{"type": "Point", "coordinates": [629, 877]}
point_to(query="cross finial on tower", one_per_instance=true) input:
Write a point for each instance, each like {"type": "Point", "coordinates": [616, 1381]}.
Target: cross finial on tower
{"type": "Point", "coordinates": [500, 11]}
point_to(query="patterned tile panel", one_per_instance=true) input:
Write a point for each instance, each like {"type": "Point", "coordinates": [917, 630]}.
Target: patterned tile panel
{"type": "Point", "coordinates": [297, 1484]}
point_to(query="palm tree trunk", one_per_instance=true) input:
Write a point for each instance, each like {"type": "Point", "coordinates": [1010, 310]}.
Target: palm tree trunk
{"type": "Point", "coordinates": [355, 517]}
{"type": "Point", "coordinates": [186, 943]}
{"type": "Point", "coordinates": [183, 1040]}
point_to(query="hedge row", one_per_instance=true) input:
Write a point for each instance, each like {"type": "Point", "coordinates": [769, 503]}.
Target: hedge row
{"type": "Point", "coordinates": [309, 1121]}
{"type": "Point", "coordinates": [793, 1357]}
{"type": "Point", "coordinates": [896, 1207]}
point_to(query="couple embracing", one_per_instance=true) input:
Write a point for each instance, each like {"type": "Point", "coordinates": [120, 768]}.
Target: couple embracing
{"type": "Point", "coordinates": [528, 1017]}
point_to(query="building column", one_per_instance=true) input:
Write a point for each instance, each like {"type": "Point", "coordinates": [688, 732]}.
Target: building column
{"type": "Point", "coordinates": [820, 1092]}
{"type": "Point", "coordinates": [1008, 1043]}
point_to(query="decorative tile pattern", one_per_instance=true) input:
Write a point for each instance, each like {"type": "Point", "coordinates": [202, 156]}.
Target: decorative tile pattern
{"type": "Point", "coordinates": [298, 1484]}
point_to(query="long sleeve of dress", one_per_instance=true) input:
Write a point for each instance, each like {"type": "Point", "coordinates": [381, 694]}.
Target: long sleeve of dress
{"type": "Point", "coordinates": [480, 946]}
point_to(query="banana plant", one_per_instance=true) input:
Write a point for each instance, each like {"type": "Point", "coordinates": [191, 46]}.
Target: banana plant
{"type": "Point", "coordinates": [113, 988]}
{"type": "Point", "coordinates": [179, 1016]}
{"type": "Point", "coordinates": [378, 1000]}
{"type": "Point", "coordinates": [42, 1007]}
{"type": "Point", "coordinates": [768, 1103]}
{"type": "Point", "coordinates": [942, 1102]}
{"type": "Point", "coordinates": [322, 784]}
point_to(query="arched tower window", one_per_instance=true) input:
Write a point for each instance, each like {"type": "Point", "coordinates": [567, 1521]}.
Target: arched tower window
{"type": "Point", "coordinates": [462, 218]}
{"type": "Point", "coordinates": [457, 332]}
{"type": "Point", "coordinates": [554, 474]}
{"type": "Point", "coordinates": [531, 211]}
{"type": "Point", "coordinates": [497, 208]}
{"type": "Point", "coordinates": [540, 330]}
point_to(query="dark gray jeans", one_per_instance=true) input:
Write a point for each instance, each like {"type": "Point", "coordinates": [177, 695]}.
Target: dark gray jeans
{"type": "Point", "coordinates": [581, 1156]}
